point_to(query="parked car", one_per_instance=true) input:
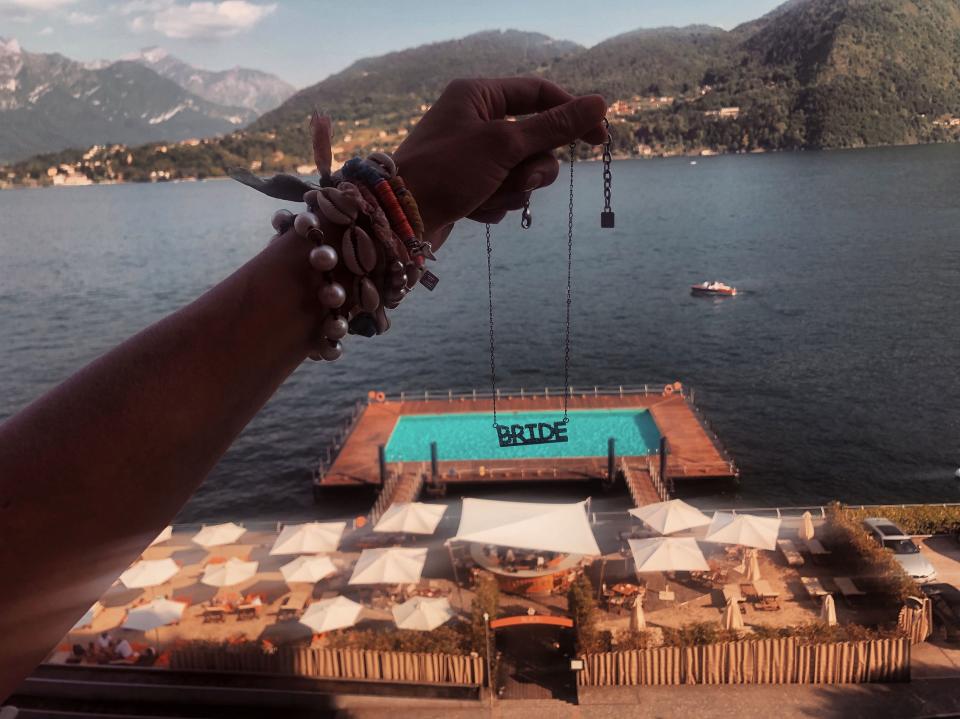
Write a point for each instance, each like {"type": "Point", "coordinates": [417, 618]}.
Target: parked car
{"type": "Point", "coordinates": [889, 536]}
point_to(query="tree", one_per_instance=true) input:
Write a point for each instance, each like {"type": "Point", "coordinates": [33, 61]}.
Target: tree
{"type": "Point", "coordinates": [486, 600]}
{"type": "Point", "coordinates": [583, 610]}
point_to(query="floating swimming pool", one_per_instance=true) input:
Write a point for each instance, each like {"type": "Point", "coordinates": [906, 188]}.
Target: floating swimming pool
{"type": "Point", "coordinates": [470, 435]}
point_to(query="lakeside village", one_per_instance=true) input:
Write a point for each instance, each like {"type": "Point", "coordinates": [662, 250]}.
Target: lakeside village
{"type": "Point", "coordinates": [476, 598]}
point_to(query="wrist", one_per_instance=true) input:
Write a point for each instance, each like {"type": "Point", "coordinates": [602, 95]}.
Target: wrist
{"type": "Point", "coordinates": [417, 176]}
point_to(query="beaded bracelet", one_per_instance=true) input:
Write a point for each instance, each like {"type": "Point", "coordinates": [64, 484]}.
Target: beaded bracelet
{"type": "Point", "coordinates": [381, 251]}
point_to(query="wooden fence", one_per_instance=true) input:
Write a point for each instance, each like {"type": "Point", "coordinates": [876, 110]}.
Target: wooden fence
{"type": "Point", "coordinates": [332, 663]}
{"type": "Point", "coordinates": [759, 661]}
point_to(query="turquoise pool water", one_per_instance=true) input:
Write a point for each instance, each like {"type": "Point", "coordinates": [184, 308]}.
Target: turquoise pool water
{"type": "Point", "coordinates": [471, 435]}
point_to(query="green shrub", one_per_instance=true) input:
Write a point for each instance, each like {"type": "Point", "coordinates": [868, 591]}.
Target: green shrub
{"type": "Point", "coordinates": [633, 639]}
{"type": "Point", "coordinates": [876, 565]}
{"type": "Point", "coordinates": [698, 634]}
{"type": "Point", "coordinates": [819, 633]}
{"type": "Point", "coordinates": [448, 639]}
{"type": "Point", "coordinates": [920, 519]}
{"type": "Point", "coordinates": [582, 605]}
{"type": "Point", "coordinates": [486, 600]}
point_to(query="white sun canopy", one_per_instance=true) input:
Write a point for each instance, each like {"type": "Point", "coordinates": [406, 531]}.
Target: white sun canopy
{"type": "Point", "coordinates": [391, 565]}
{"type": "Point", "coordinates": [149, 573]}
{"type": "Point", "coordinates": [329, 614]}
{"type": "Point", "coordinates": [309, 538]}
{"type": "Point", "coordinates": [528, 525]}
{"type": "Point", "coordinates": [668, 554]}
{"type": "Point", "coordinates": [307, 569]}
{"type": "Point", "coordinates": [747, 530]}
{"type": "Point", "coordinates": [422, 614]}
{"type": "Point", "coordinates": [157, 613]}
{"type": "Point", "coordinates": [411, 518]}
{"type": "Point", "coordinates": [226, 574]}
{"type": "Point", "coordinates": [217, 534]}
{"type": "Point", "coordinates": [669, 517]}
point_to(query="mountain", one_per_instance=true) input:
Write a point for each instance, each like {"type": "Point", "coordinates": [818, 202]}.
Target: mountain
{"type": "Point", "coordinates": [238, 86]}
{"type": "Point", "coordinates": [810, 74]}
{"type": "Point", "coordinates": [399, 82]}
{"type": "Point", "coordinates": [656, 61]}
{"type": "Point", "coordinates": [49, 102]}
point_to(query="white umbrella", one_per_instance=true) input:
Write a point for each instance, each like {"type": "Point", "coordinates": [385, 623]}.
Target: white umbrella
{"type": "Point", "coordinates": [411, 518]}
{"type": "Point", "coordinates": [391, 565]}
{"type": "Point", "coordinates": [156, 614]}
{"type": "Point", "coordinates": [225, 574]}
{"type": "Point", "coordinates": [753, 567]}
{"type": "Point", "coordinates": [87, 619]}
{"type": "Point", "coordinates": [667, 554]}
{"type": "Point", "coordinates": [806, 527]}
{"type": "Point", "coordinates": [309, 538]}
{"type": "Point", "coordinates": [217, 534]}
{"type": "Point", "coordinates": [329, 614]}
{"type": "Point", "coordinates": [672, 516]}
{"type": "Point", "coordinates": [638, 622]}
{"type": "Point", "coordinates": [828, 611]}
{"type": "Point", "coordinates": [744, 529]}
{"type": "Point", "coordinates": [163, 536]}
{"type": "Point", "coordinates": [307, 569]}
{"type": "Point", "coordinates": [422, 614]}
{"type": "Point", "coordinates": [149, 573]}
{"type": "Point", "coordinates": [732, 618]}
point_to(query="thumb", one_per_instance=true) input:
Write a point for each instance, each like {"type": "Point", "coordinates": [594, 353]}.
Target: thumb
{"type": "Point", "coordinates": [562, 124]}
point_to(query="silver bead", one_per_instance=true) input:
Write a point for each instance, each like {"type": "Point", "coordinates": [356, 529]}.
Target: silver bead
{"type": "Point", "coordinates": [334, 328]}
{"type": "Point", "coordinates": [305, 222]}
{"type": "Point", "coordinates": [332, 295]}
{"type": "Point", "coordinates": [281, 220]}
{"type": "Point", "coordinates": [323, 258]}
{"type": "Point", "coordinates": [330, 351]}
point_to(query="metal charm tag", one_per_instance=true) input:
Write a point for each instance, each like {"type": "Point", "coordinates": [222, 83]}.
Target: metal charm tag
{"type": "Point", "coordinates": [429, 280]}
{"type": "Point", "coordinates": [518, 435]}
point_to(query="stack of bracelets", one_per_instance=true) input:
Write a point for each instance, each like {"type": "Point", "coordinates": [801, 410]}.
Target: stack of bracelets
{"type": "Point", "coordinates": [378, 259]}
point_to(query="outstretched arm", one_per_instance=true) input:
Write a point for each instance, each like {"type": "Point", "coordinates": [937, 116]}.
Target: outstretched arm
{"type": "Point", "coordinates": [94, 469]}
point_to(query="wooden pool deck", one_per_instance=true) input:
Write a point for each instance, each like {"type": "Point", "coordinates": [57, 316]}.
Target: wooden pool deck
{"type": "Point", "coordinates": [693, 452]}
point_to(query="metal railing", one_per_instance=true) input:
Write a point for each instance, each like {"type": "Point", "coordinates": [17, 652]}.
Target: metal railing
{"type": "Point", "coordinates": [343, 430]}
{"type": "Point", "coordinates": [524, 393]}
{"type": "Point", "coordinates": [819, 511]}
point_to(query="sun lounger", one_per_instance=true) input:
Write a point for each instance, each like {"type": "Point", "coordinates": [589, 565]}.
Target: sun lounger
{"type": "Point", "coordinates": [214, 614]}
{"type": "Point", "coordinates": [816, 549]}
{"type": "Point", "coordinates": [813, 587]}
{"type": "Point", "coordinates": [789, 551]}
{"type": "Point", "coordinates": [767, 599]}
{"type": "Point", "coordinates": [847, 588]}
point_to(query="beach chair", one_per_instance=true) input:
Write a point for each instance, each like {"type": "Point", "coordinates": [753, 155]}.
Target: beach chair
{"type": "Point", "coordinates": [767, 599]}
{"type": "Point", "coordinates": [789, 551]}
{"type": "Point", "coordinates": [848, 590]}
{"type": "Point", "coordinates": [813, 588]}
{"type": "Point", "coordinates": [816, 549]}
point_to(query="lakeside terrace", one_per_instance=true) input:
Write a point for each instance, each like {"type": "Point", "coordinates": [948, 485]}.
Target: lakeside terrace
{"type": "Point", "coordinates": [668, 599]}
{"type": "Point", "coordinates": [692, 449]}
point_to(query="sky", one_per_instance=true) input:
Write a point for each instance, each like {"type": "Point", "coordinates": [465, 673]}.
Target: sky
{"type": "Point", "coordinates": [303, 41]}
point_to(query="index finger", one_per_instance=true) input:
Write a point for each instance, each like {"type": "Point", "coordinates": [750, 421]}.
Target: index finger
{"type": "Point", "coordinates": [523, 95]}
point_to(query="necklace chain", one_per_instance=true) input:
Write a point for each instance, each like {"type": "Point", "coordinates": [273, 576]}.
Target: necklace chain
{"type": "Point", "coordinates": [607, 160]}
{"type": "Point", "coordinates": [569, 302]}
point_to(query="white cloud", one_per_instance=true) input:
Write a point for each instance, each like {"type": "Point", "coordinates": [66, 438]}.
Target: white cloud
{"type": "Point", "coordinates": [37, 4]}
{"type": "Point", "coordinates": [46, 31]}
{"type": "Point", "coordinates": [138, 24]}
{"type": "Point", "coordinates": [140, 6]}
{"type": "Point", "coordinates": [205, 20]}
{"type": "Point", "coordinates": [75, 17]}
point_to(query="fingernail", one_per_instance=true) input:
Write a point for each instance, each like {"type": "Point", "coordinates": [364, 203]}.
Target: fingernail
{"type": "Point", "coordinates": [534, 182]}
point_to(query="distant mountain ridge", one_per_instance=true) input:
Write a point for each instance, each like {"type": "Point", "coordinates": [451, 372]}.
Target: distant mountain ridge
{"type": "Point", "coordinates": [238, 86]}
{"type": "Point", "coordinates": [809, 74]}
{"type": "Point", "coordinates": [49, 102]}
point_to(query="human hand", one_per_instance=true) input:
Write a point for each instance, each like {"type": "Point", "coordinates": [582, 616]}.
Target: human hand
{"type": "Point", "coordinates": [464, 159]}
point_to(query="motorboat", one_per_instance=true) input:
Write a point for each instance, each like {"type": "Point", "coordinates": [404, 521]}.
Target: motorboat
{"type": "Point", "coordinates": [713, 289]}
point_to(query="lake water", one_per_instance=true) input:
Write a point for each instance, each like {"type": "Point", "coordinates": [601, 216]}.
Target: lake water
{"type": "Point", "coordinates": [834, 375]}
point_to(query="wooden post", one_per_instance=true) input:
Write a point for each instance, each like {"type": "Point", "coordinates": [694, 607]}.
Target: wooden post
{"type": "Point", "coordinates": [611, 458]}
{"type": "Point", "coordinates": [434, 464]}
{"type": "Point", "coordinates": [663, 458]}
{"type": "Point", "coordinates": [382, 456]}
